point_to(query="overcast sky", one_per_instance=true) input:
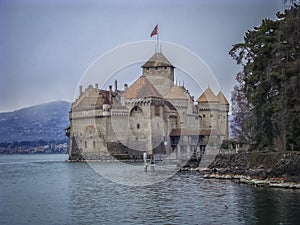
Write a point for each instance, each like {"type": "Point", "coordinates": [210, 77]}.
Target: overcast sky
{"type": "Point", "coordinates": [46, 46]}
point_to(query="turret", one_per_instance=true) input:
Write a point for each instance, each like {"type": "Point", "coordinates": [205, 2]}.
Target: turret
{"type": "Point", "coordinates": [208, 109]}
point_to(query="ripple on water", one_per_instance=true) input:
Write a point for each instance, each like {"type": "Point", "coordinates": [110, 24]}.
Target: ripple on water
{"type": "Point", "coordinates": [73, 193]}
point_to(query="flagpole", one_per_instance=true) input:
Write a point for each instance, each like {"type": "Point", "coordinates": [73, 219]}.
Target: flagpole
{"type": "Point", "coordinates": [155, 32]}
{"type": "Point", "coordinates": [157, 39]}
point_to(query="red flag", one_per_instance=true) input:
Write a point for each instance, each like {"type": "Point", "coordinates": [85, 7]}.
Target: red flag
{"type": "Point", "coordinates": [155, 31]}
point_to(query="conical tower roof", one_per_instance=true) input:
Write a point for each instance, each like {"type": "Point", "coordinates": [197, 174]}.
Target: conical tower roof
{"type": "Point", "coordinates": [222, 98]}
{"type": "Point", "coordinates": [208, 96]}
{"type": "Point", "coordinates": [157, 60]}
{"type": "Point", "coordinates": [176, 92]}
{"type": "Point", "coordinates": [142, 88]}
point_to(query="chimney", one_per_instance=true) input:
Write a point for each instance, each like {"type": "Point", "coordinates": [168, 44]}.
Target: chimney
{"type": "Point", "coordinates": [110, 94]}
{"type": "Point", "coordinates": [125, 87]}
{"type": "Point", "coordinates": [116, 85]}
{"type": "Point", "coordinates": [96, 86]}
{"type": "Point", "coordinates": [80, 89]}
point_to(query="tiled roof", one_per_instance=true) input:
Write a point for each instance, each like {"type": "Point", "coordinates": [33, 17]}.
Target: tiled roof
{"type": "Point", "coordinates": [208, 96]}
{"type": "Point", "coordinates": [142, 88]}
{"type": "Point", "coordinates": [222, 98]}
{"type": "Point", "coordinates": [157, 60]}
{"type": "Point", "coordinates": [176, 92]}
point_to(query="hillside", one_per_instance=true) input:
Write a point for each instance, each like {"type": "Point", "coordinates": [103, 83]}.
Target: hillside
{"type": "Point", "coordinates": [41, 122]}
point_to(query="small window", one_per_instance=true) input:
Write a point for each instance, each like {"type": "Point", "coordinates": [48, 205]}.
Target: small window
{"type": "Point", "coordinates": [138, 126]}
{"type": "Point", "coordinates": [165, 67]}
{"type": "Point", "coordinates": [135, 108]}
{"type": "Point", "coordinates": [156, 68]}
{"type": "Point", "coordinates": [94, 144]}
{"type": "Point", "coordinates": [157, 111]}
{"type": "Point", "coordinates": [203, 116]}
{"type": "Point", "coordinates": [85, 144]}
{"type": "Point", "coordinates": [147, 68]}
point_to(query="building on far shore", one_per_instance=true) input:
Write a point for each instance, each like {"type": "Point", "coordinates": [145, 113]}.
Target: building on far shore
{"type": "Point", "coordinates": [153, 115]}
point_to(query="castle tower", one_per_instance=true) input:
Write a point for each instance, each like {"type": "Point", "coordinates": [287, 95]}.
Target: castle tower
{"type": "Point", "coordinates": [145, 105]}
{"type": "Point", "coordinates": [179, 97]}
{"type": "Point", "coordinates": [223, 114]}
{"type": "Point", "coordinates": [208, 110]}
{"type": "Point", "coordinates": [160, 72]}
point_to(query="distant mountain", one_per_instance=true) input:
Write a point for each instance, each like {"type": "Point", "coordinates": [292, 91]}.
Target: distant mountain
{"type": "Point", "coordinates": [41, 122]}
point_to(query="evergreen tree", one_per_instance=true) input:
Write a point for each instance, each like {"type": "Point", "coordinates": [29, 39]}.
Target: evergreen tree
{"type": "Point", "coordinates": [268, 83]}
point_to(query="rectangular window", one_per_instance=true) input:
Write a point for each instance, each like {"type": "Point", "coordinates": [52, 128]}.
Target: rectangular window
{"type": "Point", "coordinates": [157, 111]}
{"type": "Point", "coordinates": [203, 115]}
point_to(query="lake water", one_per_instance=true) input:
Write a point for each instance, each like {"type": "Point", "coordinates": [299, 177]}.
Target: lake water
{"type": "Point", "coordinates": [44, 189]}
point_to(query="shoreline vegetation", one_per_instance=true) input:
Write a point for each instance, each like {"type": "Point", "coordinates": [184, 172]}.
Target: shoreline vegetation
{"type": "Point", "coordinates": [270, 169]}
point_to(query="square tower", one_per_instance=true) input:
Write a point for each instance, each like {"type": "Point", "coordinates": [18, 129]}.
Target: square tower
{"type": "Point", "coordinates": [160, 73]}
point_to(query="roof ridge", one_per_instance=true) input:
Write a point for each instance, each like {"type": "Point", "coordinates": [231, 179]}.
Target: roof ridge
{"type": "Point", "coordinates": [142, 88]}
{"type": "Point", "coordinates": [208, 96]}
{"type": "Point", "coordinates": [157, 60]}
{"type": "Point", "coordinates": [222, 98]}
{"type": "Point", "coordinates": [176, 92]}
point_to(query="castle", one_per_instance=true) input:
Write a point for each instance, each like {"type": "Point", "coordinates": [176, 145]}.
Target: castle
{"type": "Point", "coordinates": [153, 115]}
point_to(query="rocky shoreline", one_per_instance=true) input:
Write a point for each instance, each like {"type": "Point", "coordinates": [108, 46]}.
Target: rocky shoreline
{"type": "Point", "coordinates": [259, 169]}
{"type": "Point", "coordinates": [270, 182]}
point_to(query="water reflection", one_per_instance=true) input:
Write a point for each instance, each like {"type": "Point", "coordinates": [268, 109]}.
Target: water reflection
{"type": "Point", "coordinates": [276, 206]}
{"type": "Point", "coordinates": [56, 192]}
